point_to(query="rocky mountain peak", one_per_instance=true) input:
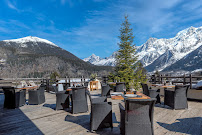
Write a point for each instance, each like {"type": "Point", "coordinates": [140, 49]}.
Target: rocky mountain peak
{"type": "Point", "coordinates": [92, 58]}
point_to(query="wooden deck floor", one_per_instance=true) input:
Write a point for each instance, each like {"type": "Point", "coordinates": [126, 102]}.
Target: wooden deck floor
{"type": "Point", "coordinates": [43, 119]}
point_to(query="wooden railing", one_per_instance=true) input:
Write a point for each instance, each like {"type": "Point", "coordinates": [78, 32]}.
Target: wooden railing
{"type": "Point", "coordinates": [45, 81]}
{"type": "Point", "coordinates": [177, 79]}
{"type": "Point", "coordinates": [13, 81]}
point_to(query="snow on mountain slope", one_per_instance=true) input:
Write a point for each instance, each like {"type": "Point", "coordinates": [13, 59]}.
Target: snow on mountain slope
{"type": "Point", "coordinates": [191, 62]}
{"type": "Point", "coordinates": [24, 40]}
{"type": "Point", "coordinates": [182, 44]}
{"type": "Point", "coordinates": [96, 60]}
{"type": "Point", "coordinates": [151, 50]}
{"type": "Point", "coordinates": [93, 59]}
{"type": "Point", "coordinates": [157, 54]}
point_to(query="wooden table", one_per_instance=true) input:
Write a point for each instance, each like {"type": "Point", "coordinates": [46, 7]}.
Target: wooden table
{"type": "Point", "coordinates": [93, 85]}
{"type": "Point", "coordinates": [168, 86]}
{"type": "Point", "coordinates": [68, 89]}
{"type": "Point", "coordinates": [164, 86]}
{"type": "Point", "coordinates": [112, 83]}
{"type": "Point", "coordinates": [28, 88]}
{"type": "Point", "coordinates": [120, 97]}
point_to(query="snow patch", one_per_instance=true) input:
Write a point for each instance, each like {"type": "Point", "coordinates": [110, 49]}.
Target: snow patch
{"type": "Point", "coordinates": [30, 39]}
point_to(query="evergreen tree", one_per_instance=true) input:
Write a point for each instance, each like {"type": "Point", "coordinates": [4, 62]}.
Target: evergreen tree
{"type": "Point", "coordinates": [157, 73]}
{"type": "Point", "coordinates": [54, 76]}
{"type": "Point", "coordinates": [139, 75]}
{"type": "Point", "coordinates": [125, 58]}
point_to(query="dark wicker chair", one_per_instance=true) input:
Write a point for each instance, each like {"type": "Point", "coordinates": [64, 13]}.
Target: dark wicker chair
{"type": "Point", "coordinates": [66, 85]}
{"type": "Point", "coordinates": [101, 113]}
{"type": "Point", "coordinates": [105, 91]}
{"type": "Point", "coordinates": [151, 93]}
{"type": "Point", "coordinates": [12, 98]}
{"type": "Point", "coordinates": [176, 99]}
{"type": "Point", "coordinates": [120, 86]}
{"type": "Point", "coordinates": [37, 97]}
{"type": "Point", "coordinates": [96, 99]}
{"type": "Point", "coordinates": [86, 84]}
{"type": "Point", "coordinates": [137, 117]}
{"type": "Point", "coordinates": [79, 100]}
{"type": "Point", "coordinates": [62, 100]}
{"type": "Point", "coordinates": [22, 99]}
{"type": "Point", "coordinates": [53, 89]}
{"type": "Point", "coordinates": [194, 94]}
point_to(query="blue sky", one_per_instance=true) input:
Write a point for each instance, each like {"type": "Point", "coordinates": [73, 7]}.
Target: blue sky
{"type": "Point", "coordinates": [83, 27]}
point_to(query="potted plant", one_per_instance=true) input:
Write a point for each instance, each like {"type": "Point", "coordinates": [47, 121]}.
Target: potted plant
{"type": "Point", "coordinates": [93, 77]}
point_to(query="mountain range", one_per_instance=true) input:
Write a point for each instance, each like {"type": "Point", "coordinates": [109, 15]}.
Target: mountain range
{"type": "Point", "coordinates": [36, 57]}
{"type": "Point", "coordinates": [180, 53]}
{"type": "Point", "coordinates": [96, 60]}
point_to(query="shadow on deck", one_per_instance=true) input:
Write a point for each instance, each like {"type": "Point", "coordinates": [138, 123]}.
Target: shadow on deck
{"type": "Point", "coordinates": [14, 121]}
{"type": "Point", "coordinates": [43, 119]}
{"type": "Point", "coordinates": [184, 125]}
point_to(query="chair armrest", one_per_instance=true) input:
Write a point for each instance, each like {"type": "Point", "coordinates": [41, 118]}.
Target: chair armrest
{"type": "Point", "coordinates": [156, 90]}
{"type": "Point", "coordinates": [99, 100]}
{"type": "Point", "coordinates": [87, 92]}
{"type": "Point", "coordinates": [122, 118]}
{"type": "Point", "coordinates": [121, 107]}
{"type": "Point", "coordinates": [101, 115]}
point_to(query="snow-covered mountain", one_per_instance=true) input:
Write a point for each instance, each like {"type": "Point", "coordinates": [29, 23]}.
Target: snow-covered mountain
{"type": "Point", "coordinates": [93, 59]}
{"type": "Point", "coordinates": [96, 60]}
{"type": "Point", "coordinates": [158, 54]}
{"type": "Point", "coordinates": [36, 57]}
{"type": "Point", "coordinates": [191, 61]}
{"type": "Point", "coordinates": [27, 39]}
{"type": "Point", "coordinates": [169, 51]}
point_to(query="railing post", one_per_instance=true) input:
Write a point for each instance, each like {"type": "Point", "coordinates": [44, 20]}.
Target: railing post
{"type": "Point", "coordinates": [69, 80]}
{"type": "Point", "coordinates": [47, 84]}
{"type": "Point", "coordinates": [161, 79]}
{"type": "Point", "coordinates": [184, 80]}
{"type": "Point", "coordinates": [190, 81]}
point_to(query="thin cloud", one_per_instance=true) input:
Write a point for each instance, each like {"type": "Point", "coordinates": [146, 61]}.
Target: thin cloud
{"type": "Point", "coordinates": [4, 30]}
{"type": "Point", "coordinates": [98, 0]}
{"type": "Point", "coordinates": [100, 29]}
{"type": "Point", "coordinates": [11, 5]}
{"type": "Point", "coordinates": [71, 3]}
{"type": "Point", "coordinates": [148, 19]}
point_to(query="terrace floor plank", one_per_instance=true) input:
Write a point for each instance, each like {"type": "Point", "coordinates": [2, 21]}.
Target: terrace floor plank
{"type": "Point", "coordinates": [44, 119]}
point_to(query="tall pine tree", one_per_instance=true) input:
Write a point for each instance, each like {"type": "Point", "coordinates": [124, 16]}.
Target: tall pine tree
{"type": "Point", "coordinates": [139, 75]}
{"type": "Point", "coordinates": [127, 68]}
{"type": "Point", "coordinates": [125, 58]}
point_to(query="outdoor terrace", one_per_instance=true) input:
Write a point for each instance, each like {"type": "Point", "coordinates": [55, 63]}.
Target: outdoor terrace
{"type": "Point", "coordinates": [43, 119]}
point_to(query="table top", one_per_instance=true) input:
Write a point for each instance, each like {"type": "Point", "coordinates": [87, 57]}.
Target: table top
{"type": "Point", "coordinates": [120, 97]}
{"type": "Point", "coordinates": [93, 81]}
{"type": "Point", "coordinates": [68, 89]}
{"type": "Point", "coordinates": [112, 83]}
{"type": "Point", "coordinates": [168, 86]}
{"type": "Point", "coordinates": [28, 88]}
{"type": "Point", "coordinates": [163, 86]}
